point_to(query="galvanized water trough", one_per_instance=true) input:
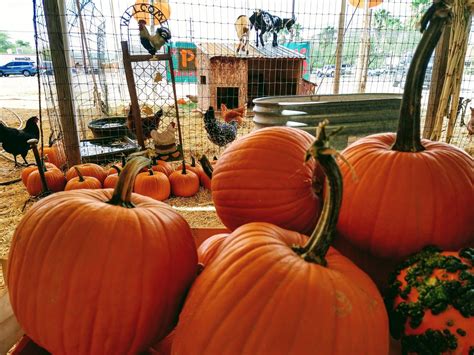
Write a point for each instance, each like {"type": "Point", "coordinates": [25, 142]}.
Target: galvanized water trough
{"type": "Point", "coordinates": [359, 114]}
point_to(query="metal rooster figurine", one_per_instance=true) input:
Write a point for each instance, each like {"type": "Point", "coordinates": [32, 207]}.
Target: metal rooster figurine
{"type": "Point", "coordinates": [153, 43]}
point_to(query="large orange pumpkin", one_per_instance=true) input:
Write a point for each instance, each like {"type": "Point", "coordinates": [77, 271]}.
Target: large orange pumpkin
{"type": "Point", "coordinates": [102, 271]}
{"type": "Point", "coordinates": [263, 177]}
{"type": "Point", "coordinates": [162, 166]}
{"type": "Point", "coordinates": [410, 192]}
{"type": "Point", "coordinates": [263, 294]}
{"type": "Point", "coordinates": [88, 169]}
{"type": "Point", "coordinates": [430, 302]}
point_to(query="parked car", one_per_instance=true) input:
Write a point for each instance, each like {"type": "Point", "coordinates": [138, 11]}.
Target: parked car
{"type": "Point", "coordinates": [329, 70]}
{"type": "Point", "coordinates": [18, 68]}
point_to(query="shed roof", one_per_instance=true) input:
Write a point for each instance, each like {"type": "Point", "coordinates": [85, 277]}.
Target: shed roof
{"type": "Point", "coordinates": [214, 49]}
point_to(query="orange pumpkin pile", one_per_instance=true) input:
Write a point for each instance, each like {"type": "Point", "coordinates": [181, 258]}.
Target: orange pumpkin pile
{"type": "Point", "coordinates": [265, 287]}
{"type": "Point", "coordinates": [105, 288]}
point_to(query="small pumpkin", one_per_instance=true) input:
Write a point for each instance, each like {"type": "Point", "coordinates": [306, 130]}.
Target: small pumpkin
{"type": "Point", "coordinates": [263, 177]}
{"type": "Point", "coordinates": [114, 268]}
{"type": "Point", "coordinates": [113, 169]}
{"type": "Point", "coordinates": [82, 182]}
{"type": "Point", "coordinates": [88, 169]}
{"type": "Point", "coordinates": [54, 153]}
{"type": "Point", "coordinates": [205, 172]}
{"type": "Point", "coordinates": [184, 183]}
{"type": "Point", "coordinates": [111, 180]}
{"type": "Point", "coordinates": [278, 292]}
{"type": "Point", "coordinates": [29, 169]}
{"type": "Point", "coordinates": [162, 166]}
{"type": "Point", "coordinates": [191, 167]}
{"type": "Point", "coordinates": [153, 184]}
{"type": "Point", "coordinates": [54, 179]}
{"type": "Point", "coordinates": [430, 302]}
{"type": "Point", "coordinates": [403, 199]}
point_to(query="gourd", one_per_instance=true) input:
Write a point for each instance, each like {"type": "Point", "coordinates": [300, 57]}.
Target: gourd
{"type": "Point", "coordinates": [153, 184]}
{"type": "Point", "coordinates": [268, 290]}
{"type": "Point", "coordinates": [410, 192]}
{"type": "Point", "coordinates": [263, 177]}
{"type": "Point", "coordinates": [82, 182]}
{"type": "Point", "coordinates": [103, 271]}
{"type": "Point", "coordinates": [88, 169]}
{"type": "Point", "coordinates": [184, 183]}
{"type": "Point", "coordinates": [430, 302]}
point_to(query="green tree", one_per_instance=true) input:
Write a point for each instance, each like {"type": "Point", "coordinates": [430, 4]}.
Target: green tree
{"type": "Point", "coordinates": [5, 42]}
{"type": "Point", "coordinates": [24, 46]}
{"type": "Point", "coordinates": [418, 7]}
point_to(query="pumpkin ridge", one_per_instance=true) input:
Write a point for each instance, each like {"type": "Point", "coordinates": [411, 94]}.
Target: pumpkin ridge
{"type": "Point", "coordinates": [262, 317]}
{"type": "Point", "coordinates": [226, 315]}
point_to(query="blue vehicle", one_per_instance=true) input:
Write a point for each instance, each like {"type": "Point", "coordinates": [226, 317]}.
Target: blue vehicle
{"type": "Point", "coordinates": [18, 68]}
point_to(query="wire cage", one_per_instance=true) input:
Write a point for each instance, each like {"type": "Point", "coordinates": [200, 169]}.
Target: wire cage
{"type": "Point", "coordinates": [372, 47]}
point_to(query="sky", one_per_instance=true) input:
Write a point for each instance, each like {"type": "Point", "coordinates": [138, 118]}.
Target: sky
{"type": "Point", "coordinates": [211, 19]}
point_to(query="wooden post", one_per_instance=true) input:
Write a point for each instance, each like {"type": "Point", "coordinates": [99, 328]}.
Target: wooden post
{"type": "Point", "coordinates": [437, 81]}
{"type": "Point", "coordinates": [127, 64]}
{"type": "Point", "coordinates": [339, 47]}
{"type": "Point", "coordinates": [364, 50]}
{"type": "Point", "coordinates": [54, 17]}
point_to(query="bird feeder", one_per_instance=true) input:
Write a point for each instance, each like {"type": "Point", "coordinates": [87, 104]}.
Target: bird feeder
{"type": "Point", "coordinates": [361, 3]}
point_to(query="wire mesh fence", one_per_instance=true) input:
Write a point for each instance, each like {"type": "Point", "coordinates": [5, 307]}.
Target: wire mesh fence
{"type": "Point", "coordinates": [295, 53]}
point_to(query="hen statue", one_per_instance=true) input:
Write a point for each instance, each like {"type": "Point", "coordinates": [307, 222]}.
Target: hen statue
{"type": "Point", "coordinates": [153, 43]}
{"type": "Point", "coordinates": [218, 133]}
{"type": "Point", "coordinates": [14, 141]}
{"type": "Point", "coordinates": [165, 142]}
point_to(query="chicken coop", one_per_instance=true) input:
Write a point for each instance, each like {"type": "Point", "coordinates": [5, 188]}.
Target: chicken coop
{"type": "Point", "coordinates": [235, 79]}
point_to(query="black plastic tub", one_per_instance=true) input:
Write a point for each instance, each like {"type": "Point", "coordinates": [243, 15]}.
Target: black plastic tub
{"type": "Point", "coordinates": [109, 127]}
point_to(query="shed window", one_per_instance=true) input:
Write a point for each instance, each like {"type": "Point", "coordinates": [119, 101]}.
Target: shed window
{"type": "Point", "coordinates": [228, 96]}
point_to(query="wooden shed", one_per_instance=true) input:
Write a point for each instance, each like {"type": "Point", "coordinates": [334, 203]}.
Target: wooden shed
{"type": "Point", "coordinates": [234, 79]}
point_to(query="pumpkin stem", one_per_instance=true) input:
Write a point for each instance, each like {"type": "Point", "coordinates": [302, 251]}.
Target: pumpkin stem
{"type": "Point", "coordinates": [193, 161]}
{"type": "Point", "coordinates": [408, 133]}
{"type": "Point", "coordinates": [41, 167]}
{"type": "Point", "coordinates": [206, 166]}
{"type": "Point", "coordinates": [123, 191]}
{"type": "Point", "coordinates": [150, 171]}
{"type": "Point", "coordinates": [81, 178]}
{"type": "Point", "coordinates": [124, 161]}
{"type": "Point", "coordinates": [117, 169]}
{"type": "Point", "coordinates": [184, 168]}
{"type": "Point", "coordinates": [318, 244]}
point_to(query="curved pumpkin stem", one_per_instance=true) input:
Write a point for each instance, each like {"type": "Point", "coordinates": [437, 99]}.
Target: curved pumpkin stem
{"type": "Point", "coordinates": [123, 191]}
{"type": "Point", "coordinates": [150, 171]}
{"type": "Point", "coordinates": [206, 166]}
{"type": "Point", "coordinates": [81, 177]}
{"type": "Point", "coordinates": [318, 244]}
{"type": "Point", "coordinates": [117, 169]}
{"type": "Point", "coordinates": [408, 133]}
{"type": "Point", "coordinates": [193, 161]}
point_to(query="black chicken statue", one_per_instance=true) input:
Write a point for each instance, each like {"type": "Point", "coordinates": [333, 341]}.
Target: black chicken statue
{"type": "Point", "coordinates": [219, 133]}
